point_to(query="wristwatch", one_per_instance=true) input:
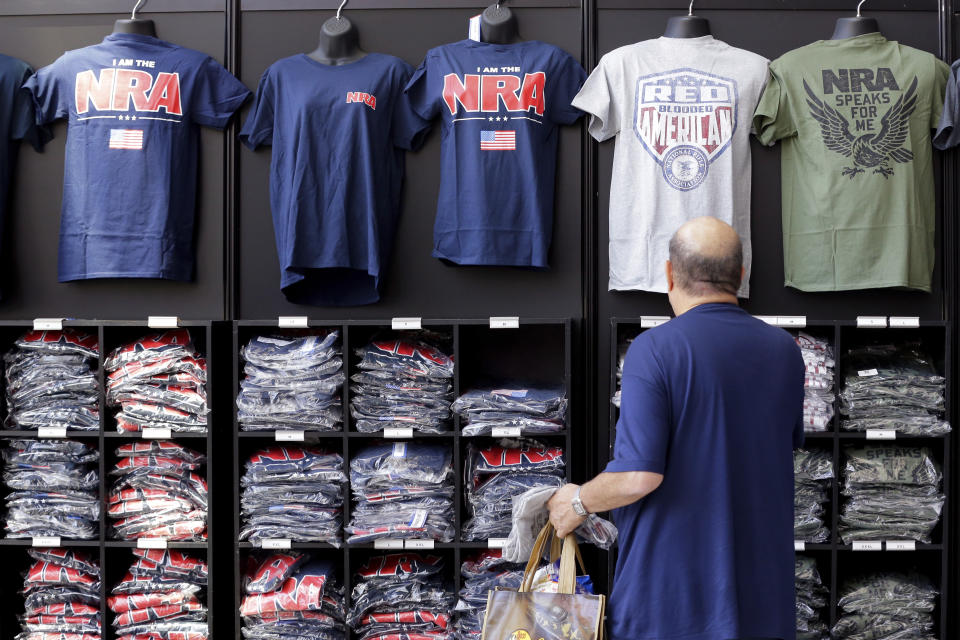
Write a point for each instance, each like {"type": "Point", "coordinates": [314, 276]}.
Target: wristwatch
{"type": "Point", "coordinates": [578, 507]}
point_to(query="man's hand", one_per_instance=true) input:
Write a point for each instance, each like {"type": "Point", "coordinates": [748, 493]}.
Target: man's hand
{"type": "Point", "coordinates": [564, 519]}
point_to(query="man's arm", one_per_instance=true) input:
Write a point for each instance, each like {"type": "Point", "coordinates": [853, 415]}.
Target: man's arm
{"type": "Point", "coordinates": [607, 491]}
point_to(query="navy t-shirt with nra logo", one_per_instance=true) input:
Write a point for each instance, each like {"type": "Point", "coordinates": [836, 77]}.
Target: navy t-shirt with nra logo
{"type": "Point", "coordinates": [501, 107]}
{"type": "Point", "coordinates": [134, 105]}
{"type": "Point", "coordinates": [338, 134]}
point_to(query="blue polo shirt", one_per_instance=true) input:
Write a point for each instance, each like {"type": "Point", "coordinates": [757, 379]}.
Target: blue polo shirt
{"type": "Point", "coordinates": [713, 400]}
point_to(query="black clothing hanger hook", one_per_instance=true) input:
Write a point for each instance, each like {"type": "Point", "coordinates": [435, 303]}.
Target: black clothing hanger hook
{"type": "Point", "coordinates": [340, 8]}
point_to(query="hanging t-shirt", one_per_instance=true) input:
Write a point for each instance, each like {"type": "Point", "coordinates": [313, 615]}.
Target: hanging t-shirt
{"type": "Point", "coordinates": [501, 106]}
{"type": "Point", "coordinates": [338, 133]}
{"type": "Point", "coordinates": [713, 400]}
{"type": "Point", "coordinates": [16, 123]}
{"type": "Point", "coordinates": [134, 105]}
{"type": "Point", "coordinates": [948, 135]}
{"type": "Point", "coordinates": [680, 109]}
{"type": "Point", "coordinates": [855, 117]}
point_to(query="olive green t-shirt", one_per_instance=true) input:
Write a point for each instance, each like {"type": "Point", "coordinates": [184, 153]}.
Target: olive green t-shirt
{"type": "Point", "coordinates": [855, 117]}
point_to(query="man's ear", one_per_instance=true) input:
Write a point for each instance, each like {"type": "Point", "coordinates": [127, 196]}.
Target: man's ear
{"type": "Point", "coordinates": [669, 269]}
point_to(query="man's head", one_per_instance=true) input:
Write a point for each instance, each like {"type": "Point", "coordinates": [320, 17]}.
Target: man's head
{"type": "Point", "coordinates": [706, 264]}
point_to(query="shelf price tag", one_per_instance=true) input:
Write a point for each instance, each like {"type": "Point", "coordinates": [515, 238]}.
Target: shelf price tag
{"type": "Point", "coordinates": [799, 545]}
{"type": "Point", "coordinates": [52, 432]}
{"type": "Point", "coordinates": [792, 321]}
{"type": "Point", "coordinates": [901, 545]}
{"type": "Point", "coordinates": [398, 432]}
{"type": "Point", "coordinates": [406, 324]}
{"type": "Point", "coordinates": [649, 322]}
{"type": "Point", "coordinates": [904, 322]}
{"type": "Point", "coordinates": [288, 435]}
{"type": "Point", "coordinates": [156, 433]}
{"type": "Point", "coordinates": [881, 434]}
{"type": "Point", "coordinates": [48, 324]}
{"type": "Point", "coordinates": [867, 545]}
{"type": "Point", "coordinates": [151, 543]}
{"type": "Point", "coordinates": [504, 322]}
{"type": "Point", "coordinates": [163, 322]}
{"type": "Point", "coordinates": [867, 373]}
{"type": "Point", "coordinates": [507, 432]}
{"type": "Point", "coordinates": [768, 319]}
{"type": "Point", "coordinates": [496, 543]}
{"type": "Point", "coordinates": [293, 322]}
{"type": "Point", "coordinates": [387, 543]}
{"type": "Point", "coordinates": [275, 543]}
{"type": "Point", "coordinates": [419, 544]}
{"type": "Point", "coordinates": [871, 322]}
{"type": "Point", "coordinates": [46, 541]}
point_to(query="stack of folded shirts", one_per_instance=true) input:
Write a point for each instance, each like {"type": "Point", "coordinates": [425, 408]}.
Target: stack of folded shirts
{"type": "Point", "coordinates": [160, 383]}
{"type": "Point", "coordinates": [159, 598]}
{"type": "Point", "coordinates": [289, 597]}
{"type": "Point", "coordinates": [886, 606]}
{"type": "Point", "coordinates": [51, 381]}
{"type": "Point", "coordinates": [294, 493]}
{"type": "Point", "coordinates": [812, 476]}
{"type": "Point", "coordinates": [62, 593]}
{"type": "Point", "coordinates": [401, 596]}
{"type": "Point", "coordinates": [158, 493]}
{"type": "Point", "coordinates": [403, 382]}
{"type": "Point", "coordinates": [812, 599]}
{"type": "Point", "coordinates": [893, 492]}
{"type": "Point", "coordinates": [485, 572]}
{"type": "Point", "coordinates": [621, 357]}
{"type": "Point", "coordinates": [818, 396]}
{"type": "Point", "coordinates": [402, 490]}
{"type": "Point", "coordinates": [292, 382]}
{"type": "Point", "coordinates": [54, 489]}
{"type": "Point", "coordinates": [531, 409]}
{"type": "Point", "coordinates": [893, 387]}
{"type": "Point", "coordinates": [498, 473]}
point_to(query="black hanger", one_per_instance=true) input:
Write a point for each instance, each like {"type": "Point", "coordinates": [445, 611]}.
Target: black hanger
{"type": "Point", "coordinates": [852, 27]}
{"type": "Point", "coordinates": [135, 25]}
{"type": "Point", "coordinates": [498, 25]}
{"type": "Point", "coordinates": [688, 26]}
{"type": "Point", "coordinates": [339, 41]}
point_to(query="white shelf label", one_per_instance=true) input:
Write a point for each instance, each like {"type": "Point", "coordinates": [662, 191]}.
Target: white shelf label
{"type": "Point", "coordinates": [156, 433]}
{"type": "Point", "coordinates": [398, 432]}
{"type": "Point", "coordinates": [275, 543]}
{"type": "Point", "coordinates": [905, 322]}
{"type": "Point", "coordinates": [387, 543]}
{"type": "Point", "coordinates": [52, 432]}
{"type": "Point", "coordinates": [881, 434]}
{"type": "Point", "coordinates": [792, 321]}
{"type": "Point", "coordinates": [496, 543]}
{"type": "Point", "coordinates": [419, 544]}
{"type": "Point", "coordinates": [868, 373]}
{"type": "Point", "coordinates": [46, 541]}
{"type": "Point", "coordinates": [288, 435]}
{"type": "Point", "coordinates": [901, 545]}
{"type": "Point", "coordinates": [507, 432]}
{"type": "Point", "coordinates": [867, 545]}
{"type": "Point", "coordinates": [505, 322]}
{"type": "Point", "coordinates": [405, 323]}
{"type": "Point", "coordinates": [649, 322]}
{"type": "Point", "coordinates": [151, 543]}
{"type": "Point", "coordinates": [48, 324]}
{"type": "Point", "coordinates": [163, 322]}
{"type": "Point", "coordinates": [799, 545]}
{"type": "Point", "coordinates": [871, 322]}
{"type": "Point", "coordinates": [768, 319]}
{"type": "Point", "coordinates": [293, 322]}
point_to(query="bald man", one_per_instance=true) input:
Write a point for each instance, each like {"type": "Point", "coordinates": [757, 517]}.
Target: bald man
{"type": "Point", "coordinates": [702, 473]}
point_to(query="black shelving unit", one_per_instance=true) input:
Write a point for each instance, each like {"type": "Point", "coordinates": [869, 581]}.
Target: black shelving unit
{"type": "Point", "coordinates": [531, 350]}
{"type": "Point", "coordinates": [114, 556]}
{"type": "Point", "coordinates": [837, 561]}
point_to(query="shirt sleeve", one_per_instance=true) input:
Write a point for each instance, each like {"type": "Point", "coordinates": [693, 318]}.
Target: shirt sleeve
{"type": "Point", "coordinates": [598, 97]}
{"type": "Point", "coordinates": [46, 90]}
{"type": "Point", "coordinates": [258, 127]}
{"type": "Point", "coordinates": [408, 129]}
{"type": "Point", "coordinates": [216, 95]}
{"type": "Point", "coordinates": [774, 118]}
{"type": "Point", "coordinates": [24, 120]}
{"type": "Point", "coordinates": [562, 88]}
{"type": "Point", "coordinates": [945, 118]}
{"type": "Point", "coordinates": [643, 431]}
{"type": "Point", "coordinates": [423, 92]}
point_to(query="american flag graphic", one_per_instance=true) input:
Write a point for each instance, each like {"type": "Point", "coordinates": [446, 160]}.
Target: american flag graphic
{"type": "Point", "coordinates": [126, 138]}
{"type": "Point", "coordinates": [498, 140]}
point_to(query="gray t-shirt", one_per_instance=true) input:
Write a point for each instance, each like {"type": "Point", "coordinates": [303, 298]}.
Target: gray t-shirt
{"type": "Point", "coordinates": [681, 109]}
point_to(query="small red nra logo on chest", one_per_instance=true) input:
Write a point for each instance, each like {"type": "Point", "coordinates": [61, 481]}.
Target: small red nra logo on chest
{"type": "Point", "coordinates": [364, 98]}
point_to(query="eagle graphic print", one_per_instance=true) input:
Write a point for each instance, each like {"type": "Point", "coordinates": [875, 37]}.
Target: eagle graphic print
{"type": "Point", "coordinates": [876, 126]}
{"type": "Point", "coordinates": [685, 119]}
